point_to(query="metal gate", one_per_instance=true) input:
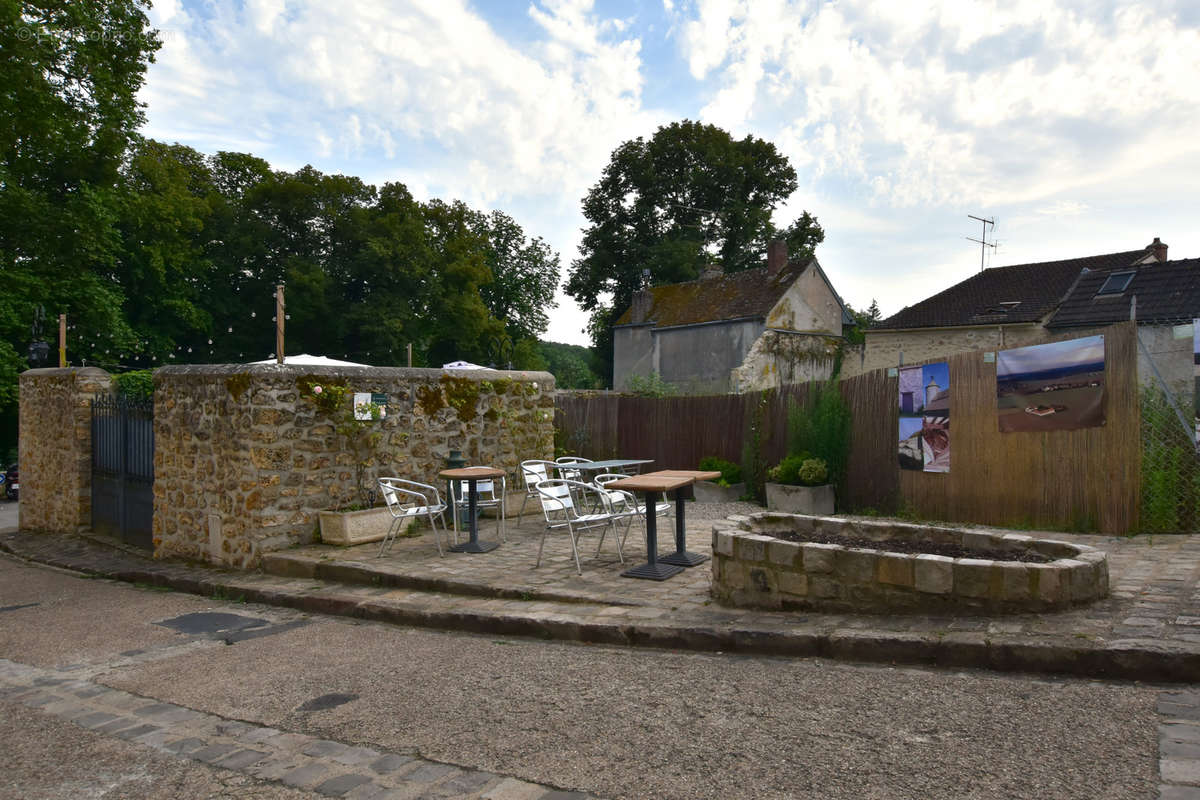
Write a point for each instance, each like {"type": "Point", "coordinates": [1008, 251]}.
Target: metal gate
{"type": "Point", "coordinates": [123, 469]}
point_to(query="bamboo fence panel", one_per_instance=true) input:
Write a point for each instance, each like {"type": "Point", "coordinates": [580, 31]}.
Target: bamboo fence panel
{"type": "Point", "coordinates": [1085, 479]}
{"type": "Point", "coordinates": [872, 479]}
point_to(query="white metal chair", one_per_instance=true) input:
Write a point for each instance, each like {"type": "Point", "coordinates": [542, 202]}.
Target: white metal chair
{"type": "Point", "coordinates": [486, 496]}
{"type": "Point", "coordinates": [559, 505]}
{"type": "Point", "coordinates": [407, 500]}
{"type": "Point", "coordinates": [564, 467]}
{"type": "Point", "coordinates": [533, 472]}
{"type": "Point", "coordinates": [626, 503]}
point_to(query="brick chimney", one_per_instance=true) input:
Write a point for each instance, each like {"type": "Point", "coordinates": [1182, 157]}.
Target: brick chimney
{"type": "Point", "coordinates": [711, 271]}
{"type": "Point", "coordinates": [1159, 249]}
{"type": "Point", "coordinates": [777, 256]}
{"type": "Point", "coordinates": [640, 307]}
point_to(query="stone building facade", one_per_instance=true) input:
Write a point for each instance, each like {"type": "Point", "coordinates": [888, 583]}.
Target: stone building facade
{"type": "Point", "coordinates": [245, 459]}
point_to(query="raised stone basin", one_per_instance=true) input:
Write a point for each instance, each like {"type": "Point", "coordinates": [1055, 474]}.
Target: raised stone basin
{"type": "Point", "coordinates": [753, 567]}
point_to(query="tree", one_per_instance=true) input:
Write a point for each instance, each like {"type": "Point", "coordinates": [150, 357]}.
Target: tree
{"type": "Point", "coordinates": [856, 334]}
{"type": "Point", "coordinates": [689, 195]}
{"type": "Point", "coordinates": [524, 276]}
{"type": "Point", "coordinates": [69, 78]}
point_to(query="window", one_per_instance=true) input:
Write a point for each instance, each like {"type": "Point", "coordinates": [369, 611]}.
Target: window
{"type": "Point", "coordinates": [1116, 283]}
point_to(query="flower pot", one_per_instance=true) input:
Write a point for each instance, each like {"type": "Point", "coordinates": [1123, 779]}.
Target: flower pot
{"type": "Point", "coordinates": [713, 492]}
{"type": "Point", "coordinates": [800, 499]}
{"type": "Point", "coordinates": [355, 527]}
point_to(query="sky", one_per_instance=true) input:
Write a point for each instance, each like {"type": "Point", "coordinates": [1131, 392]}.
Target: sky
{"type": "Point", "coordinates": [1072, 125]}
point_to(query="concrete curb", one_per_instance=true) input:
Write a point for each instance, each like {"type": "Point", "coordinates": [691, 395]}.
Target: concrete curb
{"type": "Point", "coordinates": [1132, 659]}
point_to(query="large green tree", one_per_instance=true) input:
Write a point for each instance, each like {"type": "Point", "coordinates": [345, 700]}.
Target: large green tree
{"type": "Point", "coordinates": [689, 195]}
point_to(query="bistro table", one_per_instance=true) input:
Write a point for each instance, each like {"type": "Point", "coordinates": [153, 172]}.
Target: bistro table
{"type": "Point", "coordinates": [472, 475]}
{"type": "Point", "coordinates": [609, 465]}
{"type": "Point", "coordinates": [681, 556]}
{"type": "Point", "coordinates": [651, 484]}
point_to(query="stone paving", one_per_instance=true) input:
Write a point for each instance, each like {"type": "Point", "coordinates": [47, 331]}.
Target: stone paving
{"type": "Point", "coordinates": [333, 769]}
{"type": "Point", "coordinates": [1148, 628]}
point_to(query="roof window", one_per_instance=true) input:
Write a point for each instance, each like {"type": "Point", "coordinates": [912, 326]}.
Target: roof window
{"type": "Point", "coordinates": [1116, 283]}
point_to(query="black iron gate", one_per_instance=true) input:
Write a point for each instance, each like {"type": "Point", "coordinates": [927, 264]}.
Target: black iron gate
{"type": "Point", "coordinates": [123, 469]}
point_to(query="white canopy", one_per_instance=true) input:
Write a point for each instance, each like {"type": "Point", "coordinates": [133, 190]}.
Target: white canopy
{"type": "Point", "coordinates": [461, 365]}
{"type": "Point", "coordinates": [305, 360]}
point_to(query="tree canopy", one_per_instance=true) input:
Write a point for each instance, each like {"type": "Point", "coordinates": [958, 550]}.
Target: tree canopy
{"type": "Point", "coordinates": [688, 196]}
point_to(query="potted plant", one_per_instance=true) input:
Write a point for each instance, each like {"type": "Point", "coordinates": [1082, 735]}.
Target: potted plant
{"type": "Point", "coordinates": [797, 485]}
{"type": "Point", "coordinates": [726, 489]}
{"type": "Point", "coordinates": [360, 520]}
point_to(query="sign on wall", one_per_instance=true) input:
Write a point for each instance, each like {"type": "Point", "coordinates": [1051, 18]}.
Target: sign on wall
{"type": "Point", "coordinates": [925, 418]}
{"type": "Point", "coordinates": [1051, 387]}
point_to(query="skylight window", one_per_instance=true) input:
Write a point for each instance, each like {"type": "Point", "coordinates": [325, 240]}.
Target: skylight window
{"type": "Point", "coordinates": [1116, 283]}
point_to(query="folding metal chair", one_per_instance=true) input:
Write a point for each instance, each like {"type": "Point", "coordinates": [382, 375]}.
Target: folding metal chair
{"type": "Point", "coordinates": [559, 505]}
{"type": "Point", "coordinates": [408, 500]}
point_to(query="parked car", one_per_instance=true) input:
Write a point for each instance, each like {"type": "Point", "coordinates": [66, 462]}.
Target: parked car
{"type": "Point", "coordinates": [12, 483]}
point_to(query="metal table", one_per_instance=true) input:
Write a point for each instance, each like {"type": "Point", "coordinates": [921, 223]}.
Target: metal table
{"type": "Point", "coordinates": [681, 556]}
{"type": "Point", "coordinates": [472, 475]}
{"type": "Point", "coordinates": [609, 465]}
{"type": "Point", "coordinates": [652, 484]}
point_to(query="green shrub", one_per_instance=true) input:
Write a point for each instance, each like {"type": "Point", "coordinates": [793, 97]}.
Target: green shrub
{"type": "Point", "coordinates": [651, 385]}
{"type": "Point", "coordinates": [799, 470]}
{"type": "Point", "coordinates": [731, 473]}
{"type": "Point", "coordinates": [1170, 501]}
{"type": "Point", "coordinates": [136, 385]}
{"type": "Point", "coordinates": [821, 427]}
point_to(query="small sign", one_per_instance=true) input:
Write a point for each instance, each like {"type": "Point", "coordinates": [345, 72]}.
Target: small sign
{"type": "Point", "coordinates": [989, 357]}
{"type": "Point", "coordinates": [1183, 331]}
{"type": "Point", "coordinates": [893, 372]}
{"type": "Point", "coordinates": [362, 400]}
{"type": "Point", "coordinates": [379, 398]}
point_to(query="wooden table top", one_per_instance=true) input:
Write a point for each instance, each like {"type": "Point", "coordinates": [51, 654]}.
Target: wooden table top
{"type": "Point", "coordinates": [661, 481]}
{"type": "Point", "coordinates": [467, 473]}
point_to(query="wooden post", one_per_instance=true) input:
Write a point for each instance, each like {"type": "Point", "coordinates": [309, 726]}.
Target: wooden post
{"type": "Point", "coordinates": [62, 340]}
{"type": "Point", "coordinates": [279, 324]}
{"type": "Point", "coordinates": [410, 354]}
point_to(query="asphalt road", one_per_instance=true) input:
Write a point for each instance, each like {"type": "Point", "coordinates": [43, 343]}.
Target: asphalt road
{"type": "Point", "coordinates": [619, 723]}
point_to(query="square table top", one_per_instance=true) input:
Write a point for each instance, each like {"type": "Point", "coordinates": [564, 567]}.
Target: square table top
{"type": "Point", "coordinates": [661, 481]}
{"type": "Point", "coordinates": [609, 463]}
{"type": "Point", "coordinates": [468, 473]}
{"type": "Point", "coordinates": [698, 474]}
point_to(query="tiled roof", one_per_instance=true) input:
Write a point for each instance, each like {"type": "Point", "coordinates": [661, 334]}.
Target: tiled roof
{"type": "Point", "coordinates": [1167, 291]}
{"type": "Point", "coordinates": [1020, 293]}
{"type": "Point", "coordinates": [749, 293]}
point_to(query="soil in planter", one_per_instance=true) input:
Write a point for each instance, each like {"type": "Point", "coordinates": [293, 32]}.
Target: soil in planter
{"type": "Point", "coordinates": [915, 546]}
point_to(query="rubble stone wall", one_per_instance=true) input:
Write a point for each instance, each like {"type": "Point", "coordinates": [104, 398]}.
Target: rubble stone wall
{"type": "Point", "coordinates": [244, 460]}
{"type": "Point", "coordinates": [55, 450]}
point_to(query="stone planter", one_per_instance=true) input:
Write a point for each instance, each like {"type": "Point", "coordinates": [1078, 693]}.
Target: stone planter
{"type": "Point", "coordinates": [355, 527]}
{"type": "Point", "coordinates": [800, 499]}
{"type": "Point", "coordinates": [712, 492]}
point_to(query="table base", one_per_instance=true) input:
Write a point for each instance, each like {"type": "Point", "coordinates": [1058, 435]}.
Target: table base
{"type": "Point", "coordinates": [684, 559]}
{"type": "Point", "coordinates": [653, 572]}
{"type": "Point", "coordinates": [474, 547]}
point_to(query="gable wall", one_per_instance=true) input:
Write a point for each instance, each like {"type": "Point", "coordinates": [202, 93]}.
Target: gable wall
{"type": "Point", "coordinates": [698, 360]}
{"type": "Point", "coordinates": [808, 305]}
{"type": "Point", "coordinates": [633, 354]}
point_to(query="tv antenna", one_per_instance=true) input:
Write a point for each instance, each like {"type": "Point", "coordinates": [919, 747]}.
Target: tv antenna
{"type": "Point", "coordinates": [984, 244]}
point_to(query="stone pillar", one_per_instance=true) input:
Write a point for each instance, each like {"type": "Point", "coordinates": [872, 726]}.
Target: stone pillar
{"type": "Point", "coordinates": [55, 451]}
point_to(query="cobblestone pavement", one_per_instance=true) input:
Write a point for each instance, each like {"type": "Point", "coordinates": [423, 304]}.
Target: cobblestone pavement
{"type": "Point", "coordinates": [299, 761]}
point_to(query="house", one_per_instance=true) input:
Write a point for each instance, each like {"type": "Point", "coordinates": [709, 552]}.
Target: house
{"type": "Point", "coordinates": [744, 331]}
{"type": "Point", "coordinates": [1025, 304]}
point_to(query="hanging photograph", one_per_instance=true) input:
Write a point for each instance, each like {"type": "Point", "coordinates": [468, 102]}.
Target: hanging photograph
{"type": "Point", "coordinates": [925, 417]}
{"type": "Point", "coordinates": [1196, 375]}
{"type": "Point", "coordinates": [1051, 387]}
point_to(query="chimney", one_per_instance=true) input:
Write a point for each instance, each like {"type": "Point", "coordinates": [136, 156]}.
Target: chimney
{"type": "Point", "coordinates": [640, 307]}
{"type": "Point", "coordinates": [1158, 248]}
{"type": "Point", "coordinates": [776, 257]}
{"type": "Point", "coordinates": [711, 271]}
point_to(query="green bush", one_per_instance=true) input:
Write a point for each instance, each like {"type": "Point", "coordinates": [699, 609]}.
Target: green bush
{"type": "Point", "coordinates": [731, 473]}
{"type": "Point", "coordinates": [799, 470]}
{"type": "Point", "coordinates": [650, 385]}
{"type": "Point", "coordinates": [1170, 501]}
{"type": "Point", "coordinates": [136, 385]}
{"type": "Point", "coordinates": [821, 428]}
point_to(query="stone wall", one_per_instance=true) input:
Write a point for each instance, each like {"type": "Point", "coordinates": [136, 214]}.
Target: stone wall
{"type": "Point", "coordinates": [55, 451]}
{"type": "Point", "coordinates": [244, 460]}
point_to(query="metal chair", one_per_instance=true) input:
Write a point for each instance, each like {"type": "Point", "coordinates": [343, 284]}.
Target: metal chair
{"type": "Point", "coordinates": [564, 467]}
{"type": "Point", "coordinates": [559, 506]}
{"type": "Point", "coordinates": [485, 497]}
{"type": "Point", "coordinates": [534, 471]}
{"type": "Point", "coordinates": [407, 500]}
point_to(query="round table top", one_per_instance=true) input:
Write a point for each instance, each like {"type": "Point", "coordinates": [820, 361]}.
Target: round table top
{"type": "Point", "coordinates": [467, 473]}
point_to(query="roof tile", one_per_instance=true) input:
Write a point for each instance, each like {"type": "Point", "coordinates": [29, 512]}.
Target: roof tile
{"type": "Point", "coordinates": [749, 293]}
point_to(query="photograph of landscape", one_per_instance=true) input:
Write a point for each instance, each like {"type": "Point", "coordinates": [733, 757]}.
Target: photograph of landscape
{"type": "Point", "coordinates": [1051, 387]}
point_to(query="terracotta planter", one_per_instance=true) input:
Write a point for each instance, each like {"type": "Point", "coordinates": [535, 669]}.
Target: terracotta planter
{"type": "Point", "coordinates": [800, 499]}
{"type": "Point", "coordinates": [355, 527]}
{"type": "Point", "coordinates": [712, 492]}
